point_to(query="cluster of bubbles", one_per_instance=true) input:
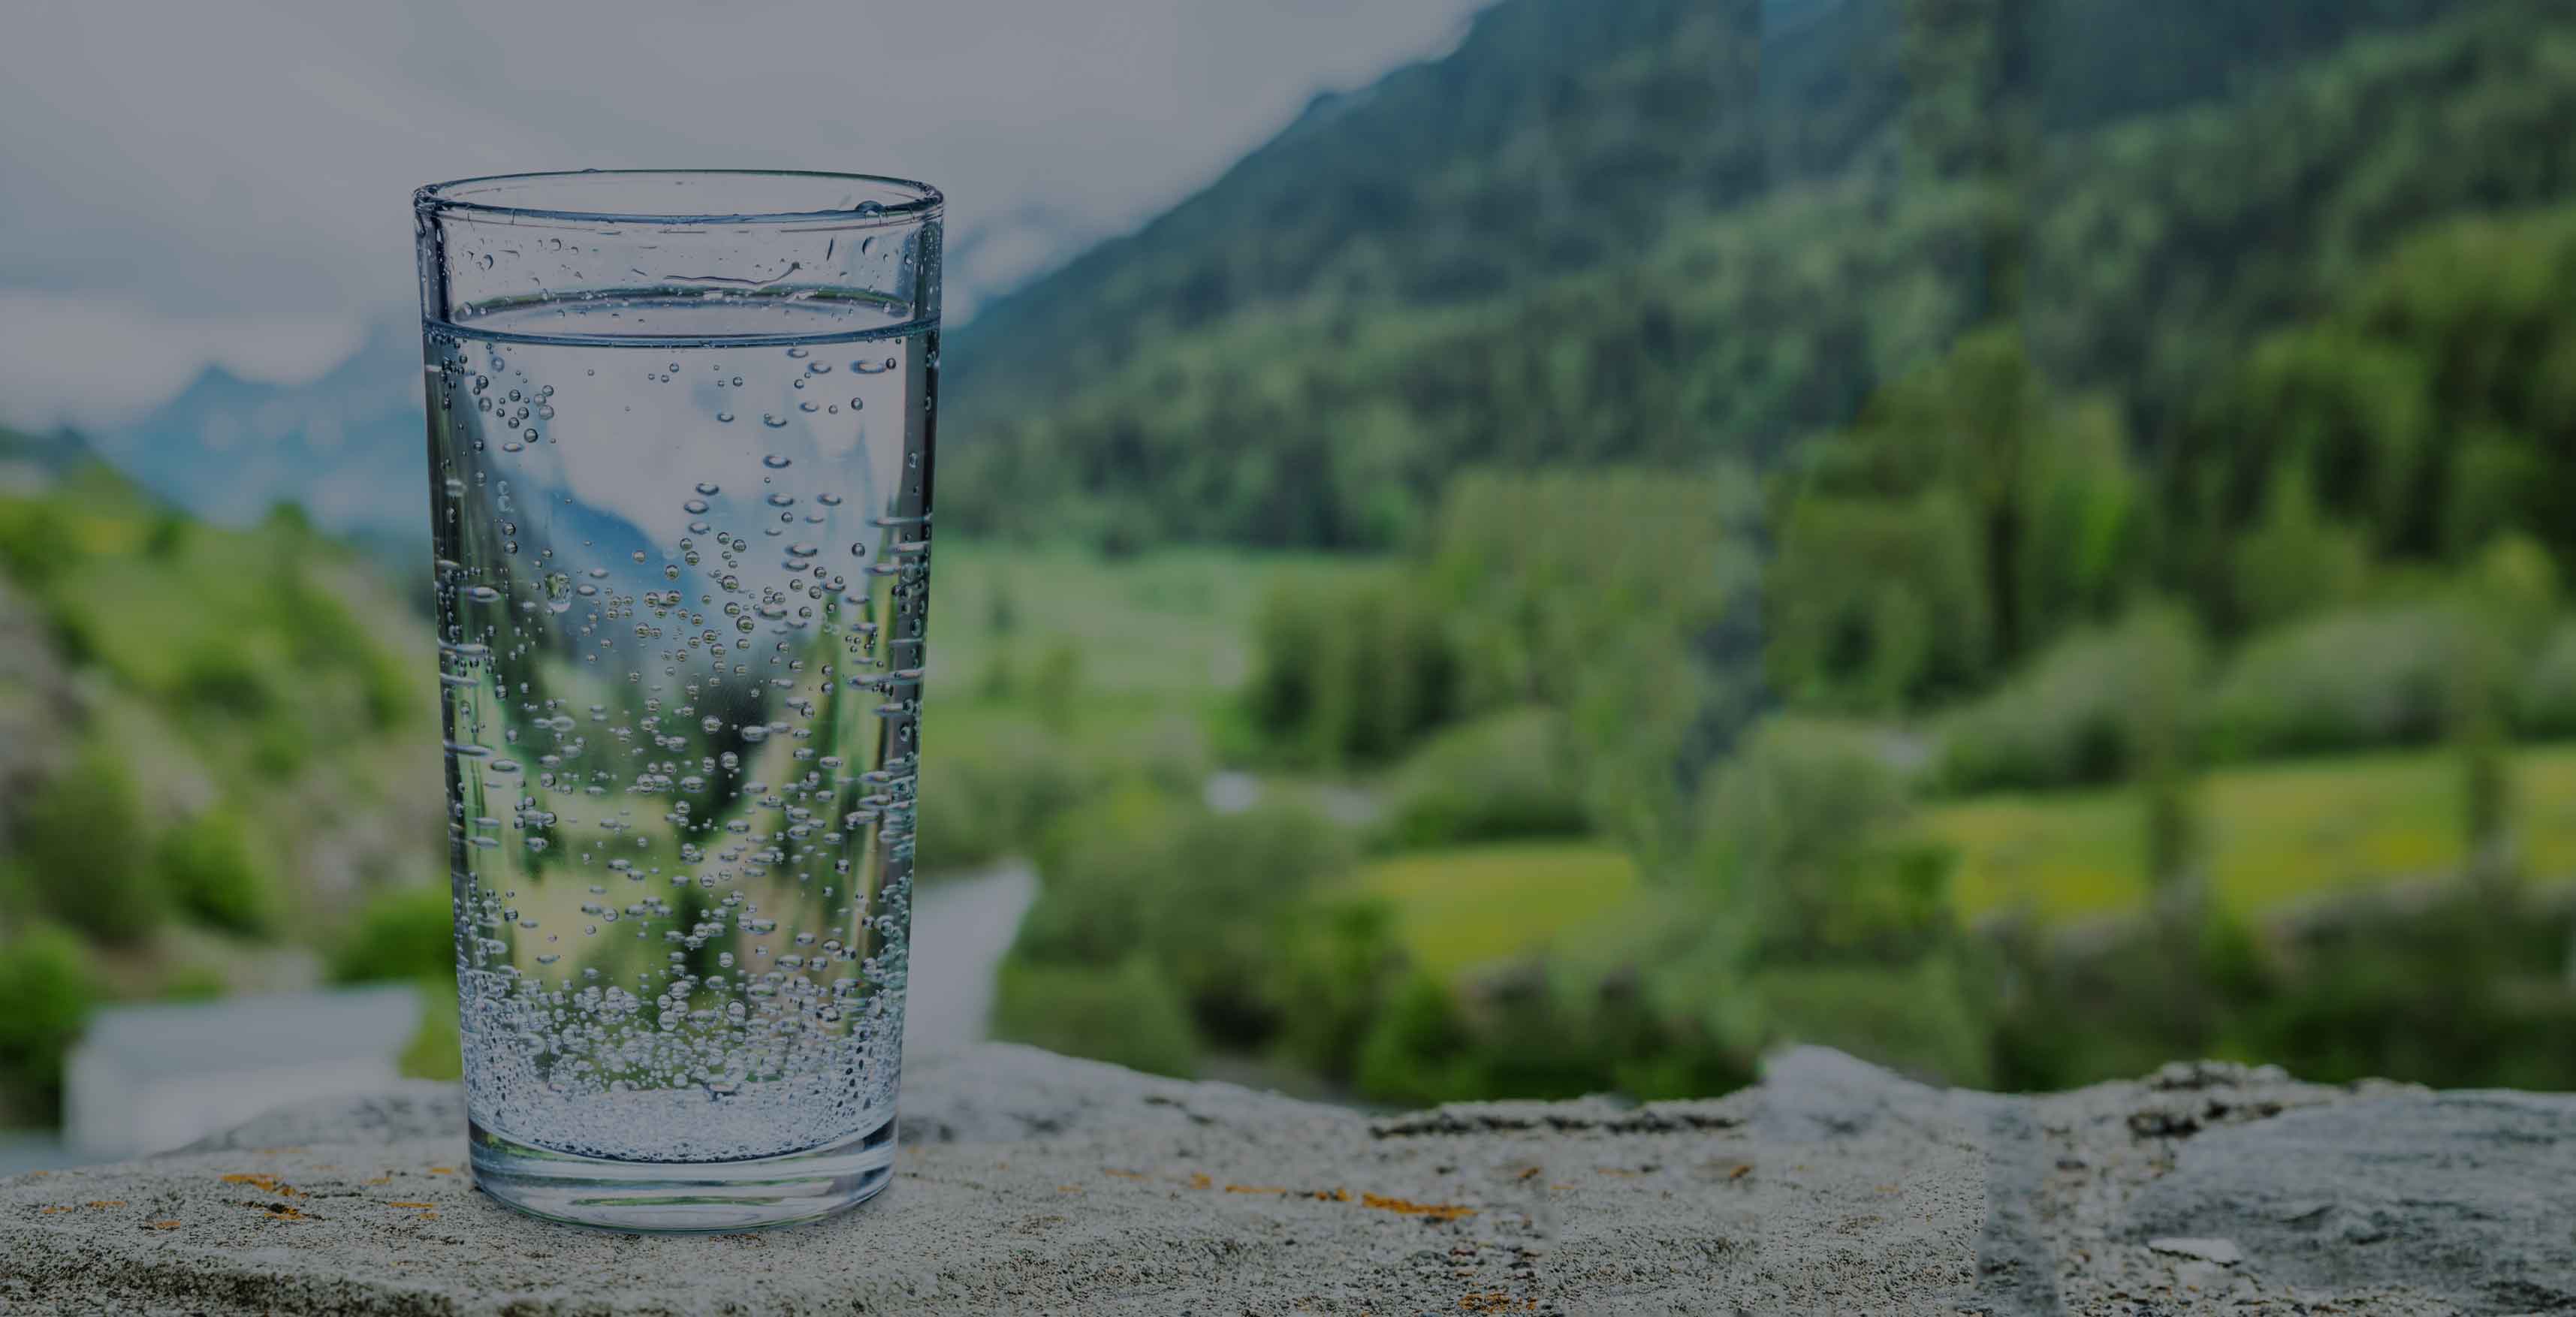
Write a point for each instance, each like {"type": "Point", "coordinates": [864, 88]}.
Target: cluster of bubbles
{"type": "Point", "coordinates": [681, 788]}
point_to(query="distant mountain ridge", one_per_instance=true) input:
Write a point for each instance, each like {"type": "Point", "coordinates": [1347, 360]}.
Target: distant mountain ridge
{"type": "Point", "coordinates": [347, 446]}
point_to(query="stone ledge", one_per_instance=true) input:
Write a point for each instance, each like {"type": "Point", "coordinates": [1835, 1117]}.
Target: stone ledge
{"type": "Point", "coordinates": [1031, 1182]}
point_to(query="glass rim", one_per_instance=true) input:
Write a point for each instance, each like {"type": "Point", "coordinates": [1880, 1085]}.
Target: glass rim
{"type": "Point", "coordinates": [923, 202]}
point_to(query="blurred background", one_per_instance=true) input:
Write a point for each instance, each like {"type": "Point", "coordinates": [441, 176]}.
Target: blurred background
{"type": "Point", "coordinates": [1509, 549]}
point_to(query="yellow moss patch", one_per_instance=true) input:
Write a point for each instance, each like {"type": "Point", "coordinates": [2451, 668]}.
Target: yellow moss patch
{"type": "Point", "coordinates": [1435, 1211]}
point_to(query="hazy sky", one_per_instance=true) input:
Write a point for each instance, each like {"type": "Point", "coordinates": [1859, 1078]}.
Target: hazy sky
{"type": "Point", "coordinates": [183, 182]}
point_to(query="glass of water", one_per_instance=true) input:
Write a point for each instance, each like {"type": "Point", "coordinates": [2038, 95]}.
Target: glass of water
{"type": "Point", "coordinates": [680, 438]}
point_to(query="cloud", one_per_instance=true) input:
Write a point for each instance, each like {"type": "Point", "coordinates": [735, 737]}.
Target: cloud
{"type": "Point", "coordinates": [249, 164]}
{"type": "Point", "coordinates": [100, 359]}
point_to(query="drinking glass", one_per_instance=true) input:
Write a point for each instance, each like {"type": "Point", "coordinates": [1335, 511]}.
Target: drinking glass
{"type": "Point", "coordinates": [680, 438]}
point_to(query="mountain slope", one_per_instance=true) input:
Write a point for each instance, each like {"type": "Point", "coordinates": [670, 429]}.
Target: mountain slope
{"type": "Point", "coordinates": [1549, 137]}
{"type": "Point", "coordinates": [1303, 353]}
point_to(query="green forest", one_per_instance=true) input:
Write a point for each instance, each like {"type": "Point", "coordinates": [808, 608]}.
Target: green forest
{"type": "Point", "coordinates": [2022, 539]}
{"type": "Point", "coordinates": [2033, 569]}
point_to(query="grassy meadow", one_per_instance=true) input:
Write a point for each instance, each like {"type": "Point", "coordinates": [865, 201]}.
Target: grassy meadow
{"type": "Point", "coordinates": [2273, 833]}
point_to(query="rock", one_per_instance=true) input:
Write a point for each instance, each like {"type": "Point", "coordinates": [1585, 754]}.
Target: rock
{"type": "Point", "coordinates": [416, 1109]}
{"type": "Point", "coordinates": [2220, 1251]}
{"type": "Point", "coordinates": [2463, 1195]}
{"type": "Point", "coordinates": [1034, 1182]}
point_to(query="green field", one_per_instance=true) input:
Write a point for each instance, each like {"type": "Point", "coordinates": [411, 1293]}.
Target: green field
{"type": "Point", "coordinates": [2274, 833]}
{"type": "Point", "coordinates": [1162, 645]}
{"type": "Point", "coordinates": [1464, 907]}
{"type": "Point", "coordinates": [1172, 623]}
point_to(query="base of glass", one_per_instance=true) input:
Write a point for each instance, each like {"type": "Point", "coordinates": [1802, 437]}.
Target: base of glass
{"type": "Point", "coordinates": [683, 1196]}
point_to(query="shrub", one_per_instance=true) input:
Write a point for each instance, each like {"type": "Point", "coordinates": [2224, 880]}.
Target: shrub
{"type": "Point", "coordinates": [1921, 1018]}
{"type": "Point", "coordinates": [1663, 1045]}
{"type": "Point", "coordinates": [2295, 561]}
{"type": "Point", "coordinates": [1337, 963]}
{"type": "Point", "coordinates": [1214, 924]}
{"type": "Point", "coordinates": [45, 979]}
{"type": "Point", "coordinates": [1652, 1021]}
{"type": "Point", "coordinates": [1102, 872]}
{"type": "Point", "coordinates": [280, 747]}
{"type": "Point", "coordinates": [38, 544]}
{"type": "Point", "coordinates": [993, 798]}
{"type": "Point", "coordinates": [81, 839]}
{"type": "Point", "coordinates": [2074, 716]}
{"type": "Point", "coordinates": [2545, 703]}
{"type": "Point", "coordinates": [1128, 1014]}
{"type": "Point", "coordinates": [206, 866]}
{"type": "Point", "coordinates": [2341, 681]}
{"type": "Point", "coordinates": [168, 536]}
{"type": "Point", "coordinates": [388, 689]}
{"type": "Point", "coordinates": [404, 933]}
{"type": "Point", "coordinates": [1055, 684]}
{"type": "Point", "coordinates": [1503, 776]}
{"type": "Point", "coordinates": [1420, 1051]}
{"type": "Point", "coordinates": [1353, 671]}
{"type": "Point", "coordinates": [1805, 841]}
{"type": "Point", "coordinates": [1876, 603]}
{"type": "Point", "coordinates": [1538, 1033]}
{"type": "Point", "coordinates": [1200, 895]}
{"type": "Point", "coordinates": [2456, 990]}
{"type": "Point", "coordinates": [224, 680]}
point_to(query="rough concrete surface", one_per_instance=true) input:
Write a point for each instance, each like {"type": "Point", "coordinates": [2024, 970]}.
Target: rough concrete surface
{"type": "Point", "coordinates": [1033, 1183]}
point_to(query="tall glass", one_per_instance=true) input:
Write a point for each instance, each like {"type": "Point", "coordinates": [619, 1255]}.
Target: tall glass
{"type": "Point", "coordinates": [680, 437]}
